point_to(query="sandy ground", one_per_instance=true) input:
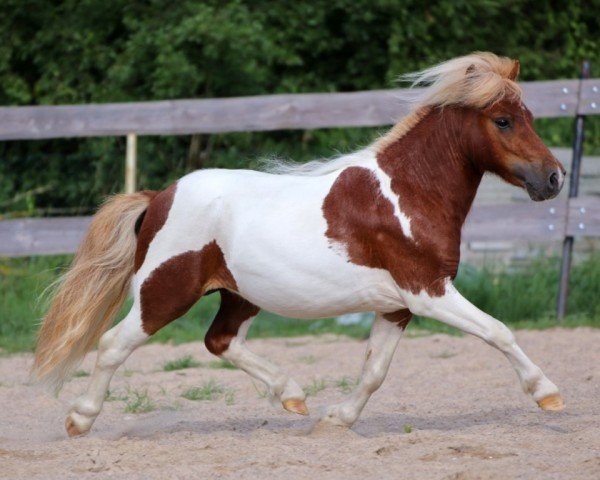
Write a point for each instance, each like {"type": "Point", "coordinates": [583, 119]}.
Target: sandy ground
{"type": "Point", "coordinates": [451, 408]}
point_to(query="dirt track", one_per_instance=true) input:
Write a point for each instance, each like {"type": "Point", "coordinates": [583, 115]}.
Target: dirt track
{"type": "Point", "coordinates": [468, 416]}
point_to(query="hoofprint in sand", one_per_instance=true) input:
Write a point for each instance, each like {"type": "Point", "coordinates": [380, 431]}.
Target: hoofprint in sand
{"type": "Point", "coordinates": [449, 409]}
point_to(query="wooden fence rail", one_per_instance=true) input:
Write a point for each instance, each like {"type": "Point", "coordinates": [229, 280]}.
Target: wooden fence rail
{"type": "Point", "coordinates": [549, 99]}
{"type": "Point", "coordinates": [546, 221]}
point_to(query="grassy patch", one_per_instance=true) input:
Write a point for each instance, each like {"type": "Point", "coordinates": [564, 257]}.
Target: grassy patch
{"type": "Point", "coordinates": [217, 364]}
{"type": "Point", "coordinates": [138, 402]}
{"type": "Point", "coordinates": [181, 363]}
{"type": "Point", "coordinates": [209, 390]}
{"type": "Point", "coordinates": [230, 397]}
{"type": "Point", "coordinates": [110, 396]}
{"type": "Point", "coordinates": [315, 387]}
{"type": "Point", "coordinates": [347, 384]}
{"type": "Point", "coordinates": [81, 373]}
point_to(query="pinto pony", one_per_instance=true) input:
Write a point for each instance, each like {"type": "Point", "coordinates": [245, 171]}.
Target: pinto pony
{"type": "Point", "coordinates": [377, 230]}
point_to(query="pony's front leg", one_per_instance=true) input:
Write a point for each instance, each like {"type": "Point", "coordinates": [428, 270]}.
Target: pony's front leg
{"type": "Point", "coordinates": [385, 334]}
{"type": "Point", "coordinates": [113, 349]}
{"type": "Point", "coordinates": [455, 310]}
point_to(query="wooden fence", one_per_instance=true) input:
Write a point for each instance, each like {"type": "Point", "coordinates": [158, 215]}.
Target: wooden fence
{"type": "Point", "coordinates": [555, 220]}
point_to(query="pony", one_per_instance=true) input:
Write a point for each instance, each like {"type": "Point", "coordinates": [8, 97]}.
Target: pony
{"type": "Point", "coordinates": [377, 230]}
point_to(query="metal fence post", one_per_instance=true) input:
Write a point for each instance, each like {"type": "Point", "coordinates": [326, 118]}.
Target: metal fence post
{"type": "Point", "coordinates": [130, 163]}
{"type": "Point", "coordinates": [567, 253]}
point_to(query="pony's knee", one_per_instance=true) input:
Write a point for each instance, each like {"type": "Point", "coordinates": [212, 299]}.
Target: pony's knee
{"type": "Point", "coordinates": [500, 336]}
{"type": "Point", "coordinates": [217, 344]}
{"type": "Point", "coordinates": [115, 346]}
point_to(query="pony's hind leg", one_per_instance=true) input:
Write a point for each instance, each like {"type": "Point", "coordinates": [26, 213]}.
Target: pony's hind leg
{"type": "Point", "coordinates": [226, 338]}
{"type": "Point", "coordinates": [385, 334]}
{"type": "Point", "coordinates": [113, 349]}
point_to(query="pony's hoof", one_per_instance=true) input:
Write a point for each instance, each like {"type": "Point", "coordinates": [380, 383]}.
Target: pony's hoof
{"type": "Point", "coordinates": [72, 428]}
{"type": "Point", "coordinates": [295, 406]}
{"type": "Point", "coordinates": [552, 403]}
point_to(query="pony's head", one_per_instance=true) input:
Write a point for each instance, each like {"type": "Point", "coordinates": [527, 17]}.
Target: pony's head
{"type": "Point", "coordinates": [498, 128]}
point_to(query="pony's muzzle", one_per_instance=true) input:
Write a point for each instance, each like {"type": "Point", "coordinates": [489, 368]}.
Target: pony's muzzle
{"type": "Point", "coordinates": [543, 185]}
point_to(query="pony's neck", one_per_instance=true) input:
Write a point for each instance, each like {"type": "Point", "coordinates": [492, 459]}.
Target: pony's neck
{"type": "Point", "coordinates": [432, 172]}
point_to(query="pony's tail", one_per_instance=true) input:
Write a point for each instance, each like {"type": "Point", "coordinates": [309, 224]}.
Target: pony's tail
{"type": "Point", "coordinates": [90, 294]}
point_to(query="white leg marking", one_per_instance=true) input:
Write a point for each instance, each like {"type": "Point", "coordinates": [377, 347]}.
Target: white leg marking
{"type": "Point", "coordinates": [281, 386]}
{"type": "Point", "coordinates": [113, 349]}
{"type": "Point", "coordinates": [380, 350]}
{"type": "Point", "coordinates": [453, 309]}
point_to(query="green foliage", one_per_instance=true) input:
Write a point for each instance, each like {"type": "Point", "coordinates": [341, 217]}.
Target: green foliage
{"type": "Point", "coordinates": [138, 401]}
{"type": "Point", "coordinates": [112, 50]}
{"type": "Point", "coordinates": [315, 387]}
{"type": "Point", "coordinates": [210, 390]}
{"type": "Point", "coordinates": [181, 363]}
{"type": "Point", "coordinates": [221, 364]}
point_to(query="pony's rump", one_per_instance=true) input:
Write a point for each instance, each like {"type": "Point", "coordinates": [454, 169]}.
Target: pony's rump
{"type": "Point", "coordinates": [89, 295]}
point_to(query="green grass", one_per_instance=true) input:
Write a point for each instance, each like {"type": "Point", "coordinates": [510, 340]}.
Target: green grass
{"type": "Point", "coordinates": [347, 384]}
{"type": "Point", "coordinates": [217, 364]}
{"type": "Point", "coordinates": [181, 363]}
{"type": "Point", "coordinates": [209, 390]}
{"type": "Point", "coordinates": [138, 401]}
{"type": "Point", "coordinates": [315, 387]}
{"type": "Point", "coordinates": [523, 298]}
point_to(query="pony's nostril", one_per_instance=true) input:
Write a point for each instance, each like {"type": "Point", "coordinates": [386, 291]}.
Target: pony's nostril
{"type": "Point", "coordinates": [553, 180]}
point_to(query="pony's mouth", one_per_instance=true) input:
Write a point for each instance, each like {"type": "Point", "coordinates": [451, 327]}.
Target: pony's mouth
{"type": "Point", "coordinates": [534, 193]}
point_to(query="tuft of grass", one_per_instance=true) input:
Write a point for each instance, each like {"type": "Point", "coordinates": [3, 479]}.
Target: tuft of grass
{"type": "Point", "coordinates": [81, 373]}
{"type": "Point", "coordinates": [110, 396]}
{"type": "Point", "coordinates": [230, 397]}
{"type": "Point", "coordinates": [181, 363]}
{"type": "Point", "coordinates": [315, 387]}
{"type": "Point", "coordinates": [138, 402]}
{"type": "Point", "coordinates": [260, 392]}
{"type": "Point", "coordinates": [408, 429]}
{"type": "Point", "coordinates": [209, 390]}
{"type": "Point", "coordinates": [347, 384]}
{"type": "Point", "coordinates": [216, 364]}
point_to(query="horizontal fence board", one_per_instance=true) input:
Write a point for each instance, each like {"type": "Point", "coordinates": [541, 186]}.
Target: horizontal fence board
{"type": "Point", "coordinates": [41, 236]}
{"type": "Point", "coordinates": [584, 217]}
{"type": "Point", "coordinates": [550, 99]}
{"type": "Point", "coordinates": [590, 97]}
{"type": "Point", "coordinates": [177, 117]}
{"type": "Point", "coordinates": [556, 98]}
{"type": "Point", "coordinates": [543, 221]}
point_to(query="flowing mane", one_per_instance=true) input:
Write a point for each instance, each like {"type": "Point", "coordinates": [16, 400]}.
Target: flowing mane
{"type": "Point", "coordinates": [476, 80]}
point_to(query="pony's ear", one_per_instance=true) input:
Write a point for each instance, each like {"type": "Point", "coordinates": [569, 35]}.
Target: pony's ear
{"type": "Point", "coordinates": [514, 73]}
{"type": "Point", "coordinates": [471, 69]}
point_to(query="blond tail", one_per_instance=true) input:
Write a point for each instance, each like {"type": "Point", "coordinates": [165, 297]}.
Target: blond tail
{"type": "Point", "coordinates": [90, 294]}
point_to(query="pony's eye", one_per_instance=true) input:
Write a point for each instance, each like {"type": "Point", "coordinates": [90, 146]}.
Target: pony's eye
{"type": "Point", "coordinates": [502, 123]}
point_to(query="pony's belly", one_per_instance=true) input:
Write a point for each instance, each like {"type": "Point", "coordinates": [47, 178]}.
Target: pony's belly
{"type": "Point", "coordinates": [334, 292]}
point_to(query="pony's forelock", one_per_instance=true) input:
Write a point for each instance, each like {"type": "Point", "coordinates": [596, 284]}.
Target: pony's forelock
{"type": "Point", "coordinates": [477, 80]}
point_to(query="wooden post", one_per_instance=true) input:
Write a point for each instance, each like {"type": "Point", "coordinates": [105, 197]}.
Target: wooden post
{"type": "Point", "coordinates": [565, 267]}
{"type": "Point", "coordinates": [130, 163]}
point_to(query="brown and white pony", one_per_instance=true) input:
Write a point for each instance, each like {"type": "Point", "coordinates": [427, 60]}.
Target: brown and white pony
{"type": "Point", "coordinates": [378, 230]}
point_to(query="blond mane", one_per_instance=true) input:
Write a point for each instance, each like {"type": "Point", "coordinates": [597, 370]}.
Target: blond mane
{"type": "Point", "coordinates": [476, 80]}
